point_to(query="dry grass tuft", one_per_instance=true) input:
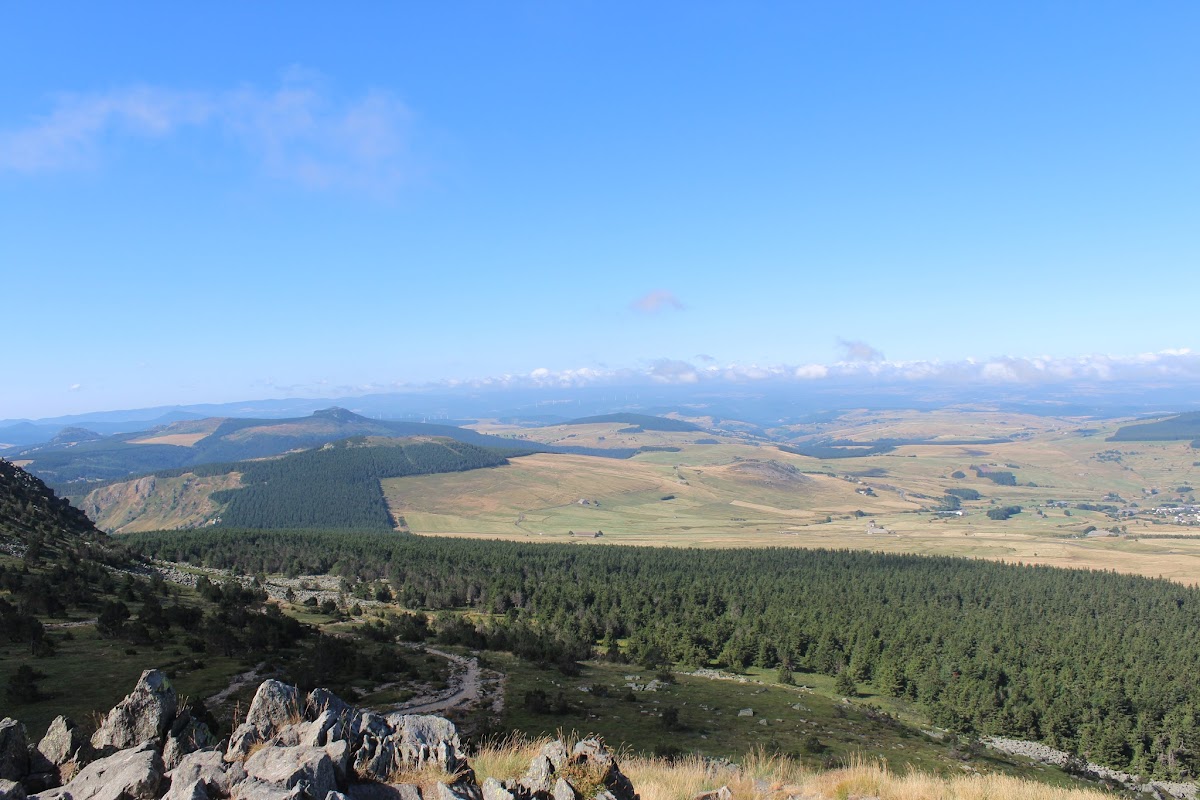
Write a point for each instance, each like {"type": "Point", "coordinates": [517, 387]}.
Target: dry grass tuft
{"type": "Point", "coordinates": [767, 776]}
{"type": "Point", "coordinates": [875, 780]}
{"type": "Point", "coordinates": [507, 758]}
{"type": "Point", "coordinates": [425, 777]}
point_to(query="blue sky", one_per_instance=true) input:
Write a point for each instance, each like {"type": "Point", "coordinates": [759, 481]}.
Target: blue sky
{"type": "Point", "coordinates": [248, 200]}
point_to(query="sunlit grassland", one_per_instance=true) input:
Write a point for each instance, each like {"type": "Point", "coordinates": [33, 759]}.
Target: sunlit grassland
{"type": "Point", "coordinates": [721, 495]}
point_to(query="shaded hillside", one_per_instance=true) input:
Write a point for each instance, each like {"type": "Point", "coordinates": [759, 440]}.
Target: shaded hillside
{"type": "Point", "coordinates": [28, 507]}
{"type": "Point", "coordinates": [1184, 426]}
{"type": "Point", "coordinates": [86, 457]}
{"type": "Point", "coordinates": [643, 421]}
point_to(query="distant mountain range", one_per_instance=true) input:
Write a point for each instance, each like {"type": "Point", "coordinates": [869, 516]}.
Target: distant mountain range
{"type": "Point", "coordinates": [79, 454]}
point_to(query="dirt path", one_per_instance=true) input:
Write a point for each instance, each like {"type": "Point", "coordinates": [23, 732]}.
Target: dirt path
{"type": "Point", "coordinates": [238, 681]}
{"type": "Point", "coordinates": [57, 626]}
{"type": "Point", "coordinates": [464, 688]}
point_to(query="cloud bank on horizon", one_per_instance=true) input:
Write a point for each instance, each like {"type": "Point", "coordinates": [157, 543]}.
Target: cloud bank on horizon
{"type": "Point", "coordinates": [864, 363]}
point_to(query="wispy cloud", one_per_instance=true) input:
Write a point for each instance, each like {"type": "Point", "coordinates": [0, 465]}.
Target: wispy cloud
{"type": "Point", "coordinates": [75, 387]}
{"type": "Point", "coordinates": [298, 131]}
{"type": "Point", "coordinates": [656, 301]}
{"type": "Point", "coordinates": [858, 351]}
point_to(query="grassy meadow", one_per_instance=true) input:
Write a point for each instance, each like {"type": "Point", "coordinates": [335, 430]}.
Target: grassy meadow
{"type": "Point", "coordinates": [743, 493]}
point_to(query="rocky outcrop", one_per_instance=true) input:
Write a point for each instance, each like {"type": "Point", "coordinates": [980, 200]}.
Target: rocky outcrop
{"type": "Point", "coordinates": [291, 746]}
{"type": "Point", "coordinates": [14, 750]}
{"type": "Point", "coordinates": [143, 716]}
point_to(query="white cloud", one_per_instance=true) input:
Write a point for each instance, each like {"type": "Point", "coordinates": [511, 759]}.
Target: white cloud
{"type": "Point", "coordinates": [1177, 365]}
{"type": "Point", "coordinates": [858, 351]}
{"type": "Point", "coordinates": [298, 132]}
{"type": "Point", "coordinates": [656, 301]}
{"type": "Point", "coordinates": [75, 387]}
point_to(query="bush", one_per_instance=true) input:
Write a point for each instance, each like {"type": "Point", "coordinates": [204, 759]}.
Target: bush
{"type": "Point", "coordinates": [1003, 513]}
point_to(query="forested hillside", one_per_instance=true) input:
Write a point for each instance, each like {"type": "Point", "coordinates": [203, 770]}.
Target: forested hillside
{"type": "Point", "coordinates": [643, 421]}
{"type": "Point", "coordinates": [1183, 426]}
{"type": "Point", "coordinates": [1097, 663]}
{"type": "Point", "coordinates": [337, 486]}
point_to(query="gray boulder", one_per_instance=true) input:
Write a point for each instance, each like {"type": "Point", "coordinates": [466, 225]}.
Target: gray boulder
{"type": "Point", "coordinates": [144, 715]}
{"type": "Point", "coordinates": [275, 705]}
{"type": "Point", "coordinates": [322, 700]}
{"type": "Point", "coordinates": [376, 759]}
{"type": "Point", "coordinates": [495, 790]}
{"type": "Point", "coordinates": [64, 742]}
{"type": "Point", "coordinates": [187, 735]}
{"type": "Point", "coordinates": [308, 768]}
{"type": "Point", "coordinates": [424, 740]}
{"type": "Point", "coordinates": [563, 790]}
{"type": "Point", "coordinates": [723, 793]}
{"type": "Point", "coordinates": [252, 789]}
{"type": "Point", "coordinates": [133, 774]}
{"type": "Point", "coordinates": [459, 790]}
{"type": "Point", "coordinates": [11, 790]}
{"type": "Point", "coordinates": [383, 791]}
{"type": "Point", "coordinates": [209, 768]}
{"type": "Point", "coordinates": [196, 790]}
{"type": "Point", "coordinates": [14, 750]}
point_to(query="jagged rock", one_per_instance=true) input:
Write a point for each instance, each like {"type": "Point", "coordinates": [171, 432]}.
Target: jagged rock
{"type": "Point", "coordinates": [208, 767]}
{"type": "Point", "coordinates": [306, 767]}
{"type": "Point", "coordinates": [327, 727]}
{"type": "Point", "coordinates": [132, 774]}
{"type": "Point", "coordinates": [460, 790]}
{"type": "Point", "coordinates": [564, 791]}
{"type": "Point", "coordinates": [715, 794]}
{"type": "Point", "coordinates": [187, 735]}
{"type": "Point", "coordinates": [142, 716]}
{"type": "Point", "coordinates": [376, 758]}
{"type": "Point", "coordinates": [495, 790]}
{"type": "Point", "coordinates": [14, 750]}
{"type": "Point", "coordinates": [252, 789]}
{"type": "Point", "coordinates": [275, 705]}
{"type": "Point", "coordinates": [556, 752]}
{"type": "Point", "coordinates": [63, 742]}
{"type": "Point", "coordinates": [383, 791]}
{"type": "Point", "coordinates": [337, 796]}
{"type": "Point", "coordinates": [425, 740]}
{"type": "Point", "coordinates": [241, 741]}
{"type": "Point", "coordinates": [339, 755]}
{"type": "Point", "coordinates": [539, 778]}
{"type": "Point", "coordinates": [322, 700]}
{"type": "Point", "coordinates": [11, 790]}
{"type": "Point", "coordinates": [196, 790]}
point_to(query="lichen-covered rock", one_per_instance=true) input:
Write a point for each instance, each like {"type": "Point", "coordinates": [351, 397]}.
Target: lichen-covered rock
{"type": "Point", "coordinates": [14, 750]}
{"type": "Point", "coordinates": [144, 715]}
{"type": "Point", "coordinates": [132, 774]}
